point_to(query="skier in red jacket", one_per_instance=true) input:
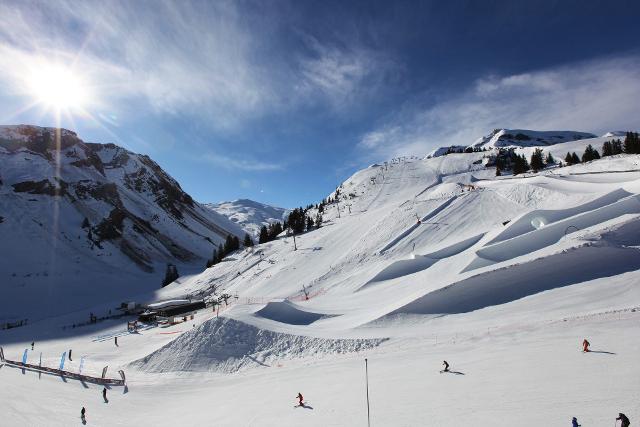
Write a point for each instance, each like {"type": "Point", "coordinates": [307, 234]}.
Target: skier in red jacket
{"type": "Point", "coordinates": [585, 345]}
{"type": "Point", "coordinates": [300, 399]}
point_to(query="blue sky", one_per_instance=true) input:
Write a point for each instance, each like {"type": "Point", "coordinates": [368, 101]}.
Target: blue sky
{"type": "Point", "coordinates": [280, 101]}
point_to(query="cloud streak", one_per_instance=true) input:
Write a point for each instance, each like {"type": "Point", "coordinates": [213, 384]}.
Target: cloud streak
{"type": "Point", "coordinates": [593, 96]}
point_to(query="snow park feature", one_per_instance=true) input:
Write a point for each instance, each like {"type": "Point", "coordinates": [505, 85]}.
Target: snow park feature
{"type": "Point", "coordinates": [417, 261]}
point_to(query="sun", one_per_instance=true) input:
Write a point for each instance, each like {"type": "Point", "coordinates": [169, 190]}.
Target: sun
{"type": "Point", "coordinates": [58, 87]}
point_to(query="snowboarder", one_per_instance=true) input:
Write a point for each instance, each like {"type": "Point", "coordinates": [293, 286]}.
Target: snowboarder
{"type": "Point", "coordinates": [300, 399]}
{"type": "Point", "coordinates": [585, 345]}
{"type": "Point", "coordinates": [82, 415]}
{"type": "Point", "coordinates": [574, 422]}
{"type": "Point", "coordinates": [32, 344]}
{"type": "Point", "coordinates": [104, 394]}
{"type": "Point", "coordinates": [624, 421]}
{"type": "Point", "coordinates": [116, 340]}
{"type": "Point", "coordinates": [446, 366]}
{"type": "Point", "coordinates": [70, 355]}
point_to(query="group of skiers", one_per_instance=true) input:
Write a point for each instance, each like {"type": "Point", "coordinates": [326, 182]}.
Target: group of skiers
{"type": "Point", "coordinates": [624, 420]}
{"type": "Point", "coordinates": [621, 417]}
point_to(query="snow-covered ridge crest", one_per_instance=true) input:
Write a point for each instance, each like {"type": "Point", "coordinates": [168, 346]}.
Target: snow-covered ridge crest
{"type": "Point", "coordinates": [528, 138]}
{"type": "Point", "coordinates": [249, 214]}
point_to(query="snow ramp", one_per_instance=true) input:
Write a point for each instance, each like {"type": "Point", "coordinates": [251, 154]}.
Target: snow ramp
{"type": "Point", "coordinates": [418, 263]}
{"type": "Point", "coordinates": [285, 312]}
{"type": "Point", "coordinates": [410, 230]}
{"type": "Point", "coordinates": [226, 345]}
{"type": "Point", "coordinates": [548, 235]}
{"type": "Point", "coordinates": [521, 280]}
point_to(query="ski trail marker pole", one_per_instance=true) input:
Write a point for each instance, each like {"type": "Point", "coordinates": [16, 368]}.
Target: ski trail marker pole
{"type": "Point", "coordinates": [366, 373]}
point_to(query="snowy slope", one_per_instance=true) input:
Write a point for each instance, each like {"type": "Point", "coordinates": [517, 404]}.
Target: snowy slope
{"type": "Point", "coordinates": [249, 214]}
{"type": "Point", "coordinates": [90, 222]}
{"type": "Point", "coordinates": [420, 261]}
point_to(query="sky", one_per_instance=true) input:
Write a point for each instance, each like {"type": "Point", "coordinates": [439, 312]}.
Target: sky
{"type": "Point", "coordinates": [280, 101]}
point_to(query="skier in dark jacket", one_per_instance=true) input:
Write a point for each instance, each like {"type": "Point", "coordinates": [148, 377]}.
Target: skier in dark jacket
{"type": "Point", "coordinates": [82, 412]}
{"type": "Point", "coordinates": [104, 394]}
{"type": "Point", "coordinates": [70, 355]}
{"type": "Point", "coordinates": [446, 366]}
{"type": "Point", "coordinates": [574, 422]}
{"type": "Point", "coordinates": [300, 399]}
{"type": "Point", "coordinates": [624, 421]}
{"type": "Point", "coordinates": [585, 346]}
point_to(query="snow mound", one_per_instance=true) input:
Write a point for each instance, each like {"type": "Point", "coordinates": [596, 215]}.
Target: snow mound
{"type": "Point", "coordinates": [227, 345]}
{"type": "Point", "coordinates": [286, 312]}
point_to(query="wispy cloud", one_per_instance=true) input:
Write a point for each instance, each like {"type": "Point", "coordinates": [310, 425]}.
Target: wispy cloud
{"type": "Point", "coordinates": [592, 96]}
{"type": "Point", "coordinates": [232, 163]}
{"type": "Point", "coordinates": [341, 74]}
{"type": "Point", "coordinates": [178, 57]}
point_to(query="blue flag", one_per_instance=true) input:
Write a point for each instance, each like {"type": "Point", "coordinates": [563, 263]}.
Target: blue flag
{"type": "Point", "coordinates": [62, 359]}
{"type": "Point", "coordinates": [81, 364]}
{"type": "Point", "coordinates": [24, 356]}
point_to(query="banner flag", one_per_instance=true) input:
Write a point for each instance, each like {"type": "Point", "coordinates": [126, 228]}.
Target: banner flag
{"type": "Point", "coordinates": [62, 359]}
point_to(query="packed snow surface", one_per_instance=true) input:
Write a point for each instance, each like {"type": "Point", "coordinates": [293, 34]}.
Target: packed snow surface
{"type": "Point", "coordinates": [421, 261]}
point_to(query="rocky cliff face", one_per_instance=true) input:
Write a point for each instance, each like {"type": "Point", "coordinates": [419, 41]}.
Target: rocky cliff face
{"type": "Point", "coordinates": [75, 208]}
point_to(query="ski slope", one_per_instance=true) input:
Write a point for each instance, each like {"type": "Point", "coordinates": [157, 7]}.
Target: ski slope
{"type": "Point", "coordinates": [503, 277]}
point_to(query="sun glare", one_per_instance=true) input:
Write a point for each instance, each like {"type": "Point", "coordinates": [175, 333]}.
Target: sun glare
{"type": "Point", "coordinates": [58, 87]}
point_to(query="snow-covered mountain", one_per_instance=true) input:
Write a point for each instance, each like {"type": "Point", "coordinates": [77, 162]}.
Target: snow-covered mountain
{"type": "Point", "coordinates": [92, 219]}
{"type": "Point", "coordinates": [249, 214]}
{"type": "Point", "coordinates": [419, 261]}
{"type": "Point", "coordinates": [527, 138]}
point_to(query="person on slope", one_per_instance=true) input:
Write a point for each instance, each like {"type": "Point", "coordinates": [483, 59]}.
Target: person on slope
{"type": "Point", "coordinates": [116, 340]}
{"type": "Point", "coordinates": [104, 394]}
{"type": "Point", "coordinates": [446, 366]}
{"type": "Point", "coordinates": [82, 414]}
{"type": "Point", "coordinates": [300, 399]}
{"type": "Point", "coordinates": [624, 421]}
{"type": "Point", "coordinates": [574, 422]}
{"type": "Point", "coordinates": [585, 345]}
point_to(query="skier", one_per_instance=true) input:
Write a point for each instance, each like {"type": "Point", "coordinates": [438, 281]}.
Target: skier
{"type": "Point", "coordinates": [104, 394]}
{"type": "Point", "coordinates": [70, 355]}
{"type": "Point", "coordinates": [574, 422]}
{"type": "Point", "coordinates": [82, 416]}
{"type": "Point", "coordinates": [446, 366]}
{"type": "Point", "coordinates": [585, 345]}
{"type": "Point", "coordinates": [116, 340]}
{"type": "Point", "coordinates": [624, 421]}
{"type": "Point", "coordinates": [300, 399]}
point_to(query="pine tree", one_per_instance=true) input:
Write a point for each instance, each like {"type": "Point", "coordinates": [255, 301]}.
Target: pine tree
{"type": "Point", "coordinates": [248, 242]}
{"type": "Point", "coordinates": [568, 159]}
{"type": "Point", "coordinates": [536, 160]}
{"type": "Point", "coordinates": [220, 253]}
{"type": "Point", "coordinates": [309, 223]}
{"type": "Point", "coordinates": [264, 235]}
{"type": "Point", "coordinates": [85, 223]}
{"type": "Point", "coordinates": [574, 158]}
{"type": "Point", "coordinates": [590, 154]}
{"type": "Point", "coordinates": [617, 146]}
{"type": "Point", "coordinates": [520, 165]}
{"type": "Point", "coordinates": [498, 173]}
{"type": "Point", "coordinates": [171, 275]}
{"type": "Point", "coordinates": [318, 219]}
{"type": "Point", "coordinates": [235, 243]}
{"type": "Point", "coordinates": [607, 149]}
{"type": "Point", "coordinates": [228, 245]}
{"type": "Point", "coordinates": [632, 143]}
{"type": "Point", "coordinates": [549, 160]}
